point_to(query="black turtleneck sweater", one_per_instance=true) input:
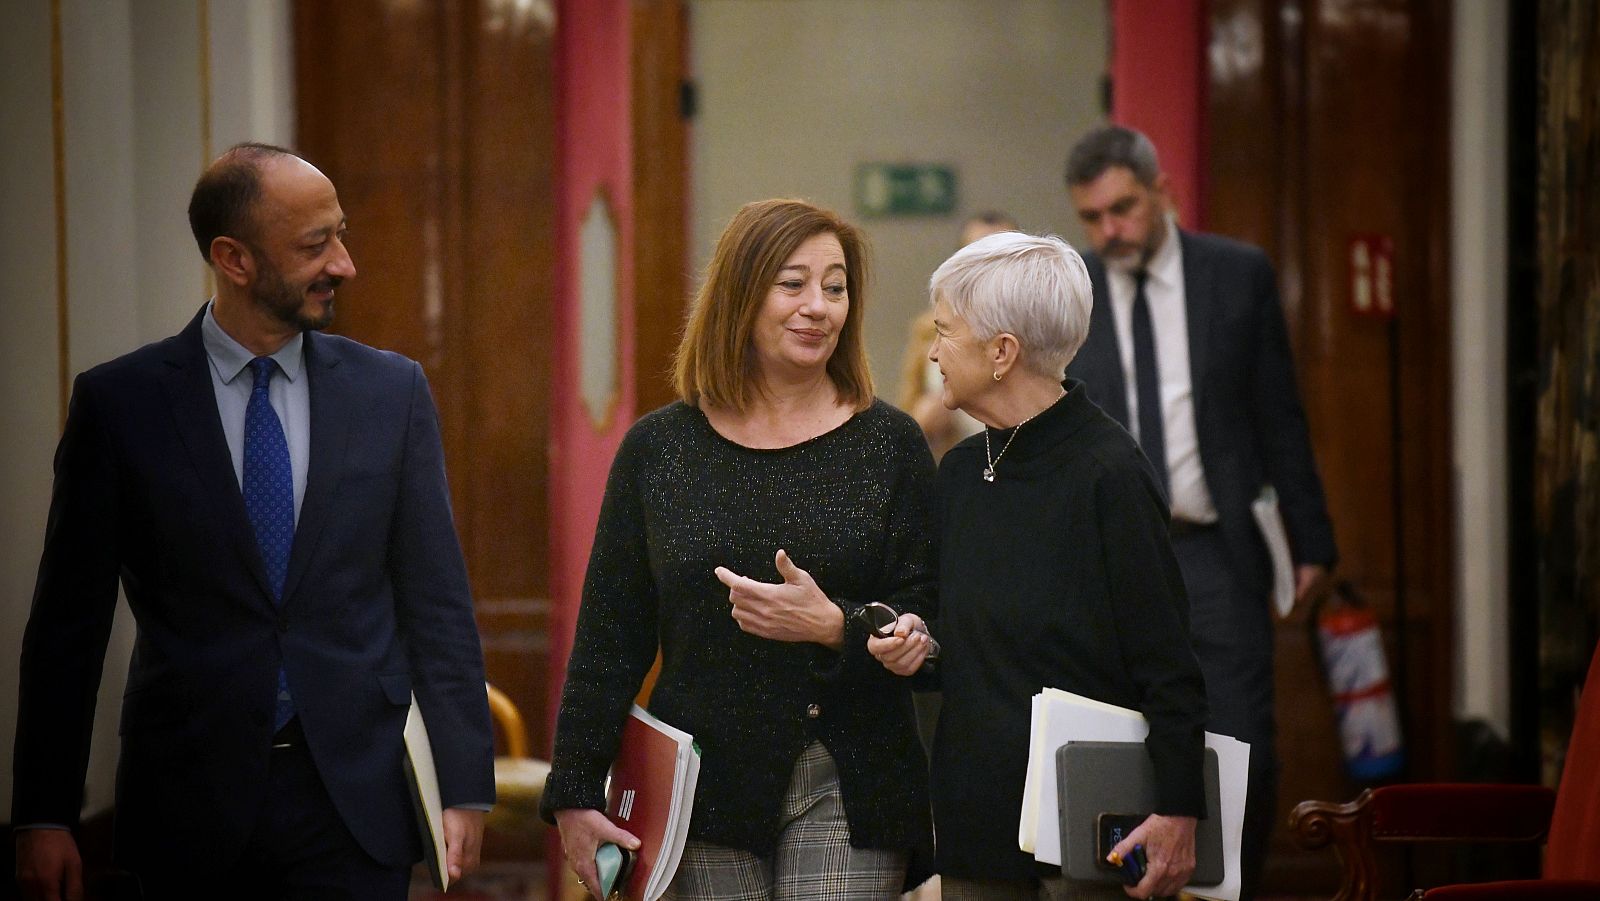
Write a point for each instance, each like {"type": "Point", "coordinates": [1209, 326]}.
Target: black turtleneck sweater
{"type": "Point", "coordinates": [1057, 574]}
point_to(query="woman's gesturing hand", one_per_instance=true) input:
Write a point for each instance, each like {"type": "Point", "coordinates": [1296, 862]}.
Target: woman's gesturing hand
{"type": "Point", "coordinates": [792, 610]}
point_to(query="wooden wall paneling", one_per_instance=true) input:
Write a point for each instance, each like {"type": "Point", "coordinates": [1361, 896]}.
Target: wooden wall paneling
{"type": "Point", "coordinates": [1256, 178]}
{"type": "Point", "coordinates": [1326, 122]}
{"type": "Point", "coordinates": [439, 136]}
{"type": "Point", "coordinates": [443, 289]}
{"type": "Point", "coordinates": [1309, 759]}
{"type": "Point", "coordinates": [662, 277]}
{"type": "Point", "coordinates": [350, 129]}
{"type": "Point", "coordinates": [1377, 160]}
{"type": "Point", "coordinates": [508, 190]}
{"type": "Point", "coordinates": [1245, 162]}
{"type": "Point", "coordinates": [1351, 113]}
{"type": "Point", "coordinates": [1427, 391]}
{"type": "Point", "coordinates": [1289, 25]}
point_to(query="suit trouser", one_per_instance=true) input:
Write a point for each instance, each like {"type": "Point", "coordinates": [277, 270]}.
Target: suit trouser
{"type": "Point", "coordinates": [1232, 636]}
{"type": "Point", "coordinates": [298, 850]}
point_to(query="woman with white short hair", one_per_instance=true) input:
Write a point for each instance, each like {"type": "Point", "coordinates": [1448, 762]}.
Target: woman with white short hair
{"type": "Point", "coordinates": [1055, 571]}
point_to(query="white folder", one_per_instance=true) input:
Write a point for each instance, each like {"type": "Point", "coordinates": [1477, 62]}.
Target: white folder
{"type": "Point", "coordinates": [1061, 716]}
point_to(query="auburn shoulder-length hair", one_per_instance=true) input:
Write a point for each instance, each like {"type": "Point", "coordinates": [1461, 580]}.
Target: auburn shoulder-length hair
{"type": "Point", "coordinates": [715, 362]}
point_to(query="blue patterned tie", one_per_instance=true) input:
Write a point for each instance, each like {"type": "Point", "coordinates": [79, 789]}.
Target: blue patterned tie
{"type": "Point", "coordinates": [268, 487]}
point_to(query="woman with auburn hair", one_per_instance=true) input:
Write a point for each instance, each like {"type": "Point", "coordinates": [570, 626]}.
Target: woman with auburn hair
{"type": "Point", "coordinates": [742, 527]}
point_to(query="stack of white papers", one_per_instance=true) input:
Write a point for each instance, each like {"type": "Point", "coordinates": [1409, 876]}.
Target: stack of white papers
{"type": "Point", "coordinates": [424, 782]}
{"type": "Point", "coordinates": [1060, 717]}
{"type": "Point", "coordinates": [1268, 520]}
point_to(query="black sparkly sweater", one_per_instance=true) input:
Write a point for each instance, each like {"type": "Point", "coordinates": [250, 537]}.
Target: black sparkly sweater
{"type": "Point", "coordinates": [1059, 573]}
{"type": "Point", "coordinates": [853, 508]}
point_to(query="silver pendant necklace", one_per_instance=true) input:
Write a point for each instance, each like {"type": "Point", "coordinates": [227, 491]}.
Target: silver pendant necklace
{"type": "Point", "coordinates": [993, 458]}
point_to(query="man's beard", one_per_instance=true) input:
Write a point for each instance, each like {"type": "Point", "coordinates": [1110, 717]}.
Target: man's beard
{"type": "Point", "coordinates": [275, 295]}
{"type": "Point", "coordinates": [1132, 257]}
{"type": "Point", "coordinates": [1122, 257]}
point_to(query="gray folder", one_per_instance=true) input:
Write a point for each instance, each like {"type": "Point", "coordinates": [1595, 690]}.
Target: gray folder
{"type": "Point", "coordinates": [1117, 777]}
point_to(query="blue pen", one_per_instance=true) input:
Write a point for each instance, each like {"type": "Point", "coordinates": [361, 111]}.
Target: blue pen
{"type": "Point", "coordinates": [1132, 869]}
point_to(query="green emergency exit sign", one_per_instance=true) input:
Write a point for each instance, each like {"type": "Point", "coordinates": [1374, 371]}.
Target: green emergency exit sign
{"type": "Point", "coordinates": [905, 189]}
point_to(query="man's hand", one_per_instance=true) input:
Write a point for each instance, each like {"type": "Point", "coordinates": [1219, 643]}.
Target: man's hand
{"type": "Point", "coordinates": [48, 866]}
{"type": "Point", "coordinates": [1169, 850]}
{"type": "Point", "coordinates": [1310, 582]}
{"type": "Point", "coordinates": [463, 839]}
{"type": "Point", "coordinates": [793, 610]}
{"type": "Point", "coordinates": [904, 652]}
{"type": "Point", "coordinates": [582, 831]}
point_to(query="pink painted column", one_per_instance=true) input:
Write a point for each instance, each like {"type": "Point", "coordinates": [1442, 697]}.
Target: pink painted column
{"type": "Point", "coordinates": [1158, 86]}
{"type": "Point", "coordinates": [594, 157]}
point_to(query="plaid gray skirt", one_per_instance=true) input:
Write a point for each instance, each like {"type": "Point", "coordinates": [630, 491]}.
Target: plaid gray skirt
{"type": "Point", "coordinates": [813, 862]}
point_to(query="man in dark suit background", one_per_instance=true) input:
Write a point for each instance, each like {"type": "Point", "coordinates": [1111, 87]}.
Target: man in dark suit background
{"type": "Point", "coordinates": [274, 503]}
{"type": "Point", "coordinates": [1187, 348]}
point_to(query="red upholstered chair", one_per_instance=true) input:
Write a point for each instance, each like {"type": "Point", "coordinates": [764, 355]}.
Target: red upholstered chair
{"type": "Point", "coordinates": [1566, 820]}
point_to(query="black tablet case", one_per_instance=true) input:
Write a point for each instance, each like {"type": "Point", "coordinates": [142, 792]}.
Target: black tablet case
{"type": "Point", "coordinates": [1095, 777]}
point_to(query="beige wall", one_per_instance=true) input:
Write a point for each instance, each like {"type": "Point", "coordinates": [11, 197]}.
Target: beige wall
{"type": "Point", "coordinates": [1478, 415]}
{"type": "Point", "coordinates": [28, 393]}
{"type": "Point", "coordinates": [134, 137]}
{"type": "Point", "coordinates": [794, 93]}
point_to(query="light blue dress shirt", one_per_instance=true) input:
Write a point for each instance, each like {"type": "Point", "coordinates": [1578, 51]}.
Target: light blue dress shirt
{"type": "Point", "coordinates": [290, 394]}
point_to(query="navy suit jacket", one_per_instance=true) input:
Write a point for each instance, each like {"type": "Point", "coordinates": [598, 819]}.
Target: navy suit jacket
{"type": "Point", "coordinates": [375, 606]}
{"type": "Point", "coordinates": [1250, 425]}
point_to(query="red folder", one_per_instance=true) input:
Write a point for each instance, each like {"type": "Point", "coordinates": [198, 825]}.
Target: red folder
{"type": "Point", "coordinates": [651, 794]}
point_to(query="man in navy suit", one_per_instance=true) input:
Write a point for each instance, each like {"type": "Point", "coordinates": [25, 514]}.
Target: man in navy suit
{"type": "Point", "coordinates": [1187, 348]}
{"type": "Point", "coordinates": [274, 503]}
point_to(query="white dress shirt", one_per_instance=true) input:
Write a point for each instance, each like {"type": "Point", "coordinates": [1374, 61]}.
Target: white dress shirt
{"type": "Point", "coordinates": [1164, 292]}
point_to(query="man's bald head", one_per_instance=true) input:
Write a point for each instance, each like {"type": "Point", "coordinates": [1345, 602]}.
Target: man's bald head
{"type": "Point", "coordinates": [225, 198]}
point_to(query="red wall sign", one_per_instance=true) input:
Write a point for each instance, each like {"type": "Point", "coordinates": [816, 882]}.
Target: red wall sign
{"type": "Point", "coordinates": [1371, 261]}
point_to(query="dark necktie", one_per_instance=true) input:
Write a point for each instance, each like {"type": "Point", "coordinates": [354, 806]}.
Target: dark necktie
{"type": "Point", "coordinates": [1147, 382]}
{"type": "Point", "coordinates": [268, 487]}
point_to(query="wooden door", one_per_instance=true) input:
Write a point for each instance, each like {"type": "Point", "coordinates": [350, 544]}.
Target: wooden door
{"type": "Point", "coordinates": [1327, 129]}
{"type": "Point", "coordinates": [436, 122]}
{"type": "Point", "coordinates": [662, 279]}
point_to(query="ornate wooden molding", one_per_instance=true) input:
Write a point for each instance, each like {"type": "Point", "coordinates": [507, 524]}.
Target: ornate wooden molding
{"type": "Point", "coordinates": [1348, 828]}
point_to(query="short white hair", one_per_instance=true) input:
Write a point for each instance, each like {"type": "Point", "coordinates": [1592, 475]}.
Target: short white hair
{"type": "Point", "coordinates": [1031, 286]}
